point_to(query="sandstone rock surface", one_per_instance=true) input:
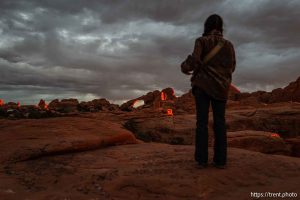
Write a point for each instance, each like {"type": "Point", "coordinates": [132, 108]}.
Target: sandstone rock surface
{"type": "Point", "coordinates": [29, 139]}
{"type": "Point", "coordinates": [147, 171]}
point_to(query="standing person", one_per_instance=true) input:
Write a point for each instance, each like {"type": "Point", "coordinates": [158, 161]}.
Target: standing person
{"type": "Point", "coordinates": [211, 66]}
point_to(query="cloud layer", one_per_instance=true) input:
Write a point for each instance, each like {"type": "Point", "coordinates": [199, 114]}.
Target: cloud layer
{"type": "Point", "coordinates": [124, 48]}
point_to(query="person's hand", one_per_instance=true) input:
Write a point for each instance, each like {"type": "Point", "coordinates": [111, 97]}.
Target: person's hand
{"type": "Point", "coordinates": [188, 65]}
{"type": "Point", "coordinates": [188, 73]}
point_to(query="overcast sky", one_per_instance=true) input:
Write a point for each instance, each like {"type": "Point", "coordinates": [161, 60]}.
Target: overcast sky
{"type": "Point", "coordinates": [121, 49]}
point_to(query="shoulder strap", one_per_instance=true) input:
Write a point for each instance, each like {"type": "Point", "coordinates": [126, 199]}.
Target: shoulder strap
{"type": "Point", "coordinates": [214, 51]}
{"type": "Point", "coordinates": [209, 56]}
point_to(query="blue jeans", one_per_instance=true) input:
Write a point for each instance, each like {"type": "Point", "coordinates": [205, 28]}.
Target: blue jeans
{"type": "Point", "coordinates": [203, 101]}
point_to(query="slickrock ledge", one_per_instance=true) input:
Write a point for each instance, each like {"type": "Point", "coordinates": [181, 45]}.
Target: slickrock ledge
{"type": "Point", "coordinates": [148, 171]}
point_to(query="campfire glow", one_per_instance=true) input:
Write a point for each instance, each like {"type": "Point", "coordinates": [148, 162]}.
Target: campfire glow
{"type": "Point", "coordinates": [169, 112]}
{"type": "Point", "coordinates": [1, 102]}
{"type": "Point", "coordinates": [164, 101]}
{"type": "Point", "coordinates": [163, 96]}
{"type": "Point", "coordinates": [275, 135]}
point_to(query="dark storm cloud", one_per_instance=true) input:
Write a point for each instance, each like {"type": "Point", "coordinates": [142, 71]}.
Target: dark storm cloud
{"type": "Point", "coordinates": [124, 48]}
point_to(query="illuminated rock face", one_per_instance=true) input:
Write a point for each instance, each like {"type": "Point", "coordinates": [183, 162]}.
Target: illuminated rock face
{"type": "Point", "coordinates": [154, 100]}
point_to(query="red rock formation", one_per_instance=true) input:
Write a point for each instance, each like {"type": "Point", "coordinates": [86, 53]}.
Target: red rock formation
{"type": "Point", "coordinates": [147, 170]}
{"type": "Point", "coordinates": [42, 105]}
{"type": "Point", "coordinates": [58, 136]}
{"type": "Point", "coordinates": [152, 99]}
{"type": "Point", "coordinates": [290, 93]}
{"type": "Point", "coordinates": [64, 106]}
{"type": "Point", "coordinates": [97, 105]}
{"type": "Point", "coordinates": [265, 142]}
{"type": "Point", "coordinates": [286, 94]}
{"type": "Point", "coordinates": [186, 103]}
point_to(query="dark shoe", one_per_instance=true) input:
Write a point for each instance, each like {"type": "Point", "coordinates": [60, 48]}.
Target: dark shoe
{"type": "Point", "coordinates": [202, 165]}
{"type": "Point", "coordinates": [219, 166]}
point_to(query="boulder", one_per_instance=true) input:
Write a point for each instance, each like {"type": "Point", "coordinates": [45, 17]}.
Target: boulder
{"type": "Point", "coordinates": [86, 107]}
{"type": "Point", "coordinates": [97, 105]}
{"type": "Point", "coordinates": [11, 105]}
{"type": "Point", "coordinates": [54, 104]}
{"type": "Point", "coordinates": [264, 142]}
{"type": "Point", "coordinates": [35, 138]}
{"type": "Point", "coordinates": [64, 106]}
{"type": "Point", "coordinates": [282, 119]}
{"type": "Point", "coordinates": [103, 105]}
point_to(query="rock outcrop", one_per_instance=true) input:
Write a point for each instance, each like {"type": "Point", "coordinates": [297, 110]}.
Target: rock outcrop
{"type": "Point", "coordinates": [185, 103]}
{"type": "Point", "coordinates": [56, 108]}
{"type": "Point", "coordinates": [264, 142]}
{"type": "Point", "coordinates": [289, 93]}
{"type": "Point", "coordinates": [283, 119]}
{"type": "Point", "coordinates": [286, 94]}
{"type": "Point", "coordinates": [37, 138]}
{"type": "Point", "coordinates": [153, 100]}
{"type": "Point", "coordinates": [64, 106]}
{"type": "Point", "coordinates": [97, 105]}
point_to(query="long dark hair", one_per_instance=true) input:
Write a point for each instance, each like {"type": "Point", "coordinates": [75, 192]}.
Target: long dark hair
{"type": "Point", "coordinates": [213, 22]}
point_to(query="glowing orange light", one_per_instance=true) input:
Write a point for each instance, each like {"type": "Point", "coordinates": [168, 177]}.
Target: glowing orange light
{"type": "Point", "coordinates": [163, 96]}
{"type": "Point", "coordinates": [275, 135]}
{"type": "Point", "coordinates": [1, 102]}
{"type": "Point", "coordinates": [138, 103]}
{"type": "Point", "coordinates": [135, 101]}
{"type": "Point", "coordinates": [169, 112]}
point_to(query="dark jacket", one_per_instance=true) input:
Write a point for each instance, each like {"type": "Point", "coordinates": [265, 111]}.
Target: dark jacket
{"type": "Point", "coordinates": [214, 77]}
